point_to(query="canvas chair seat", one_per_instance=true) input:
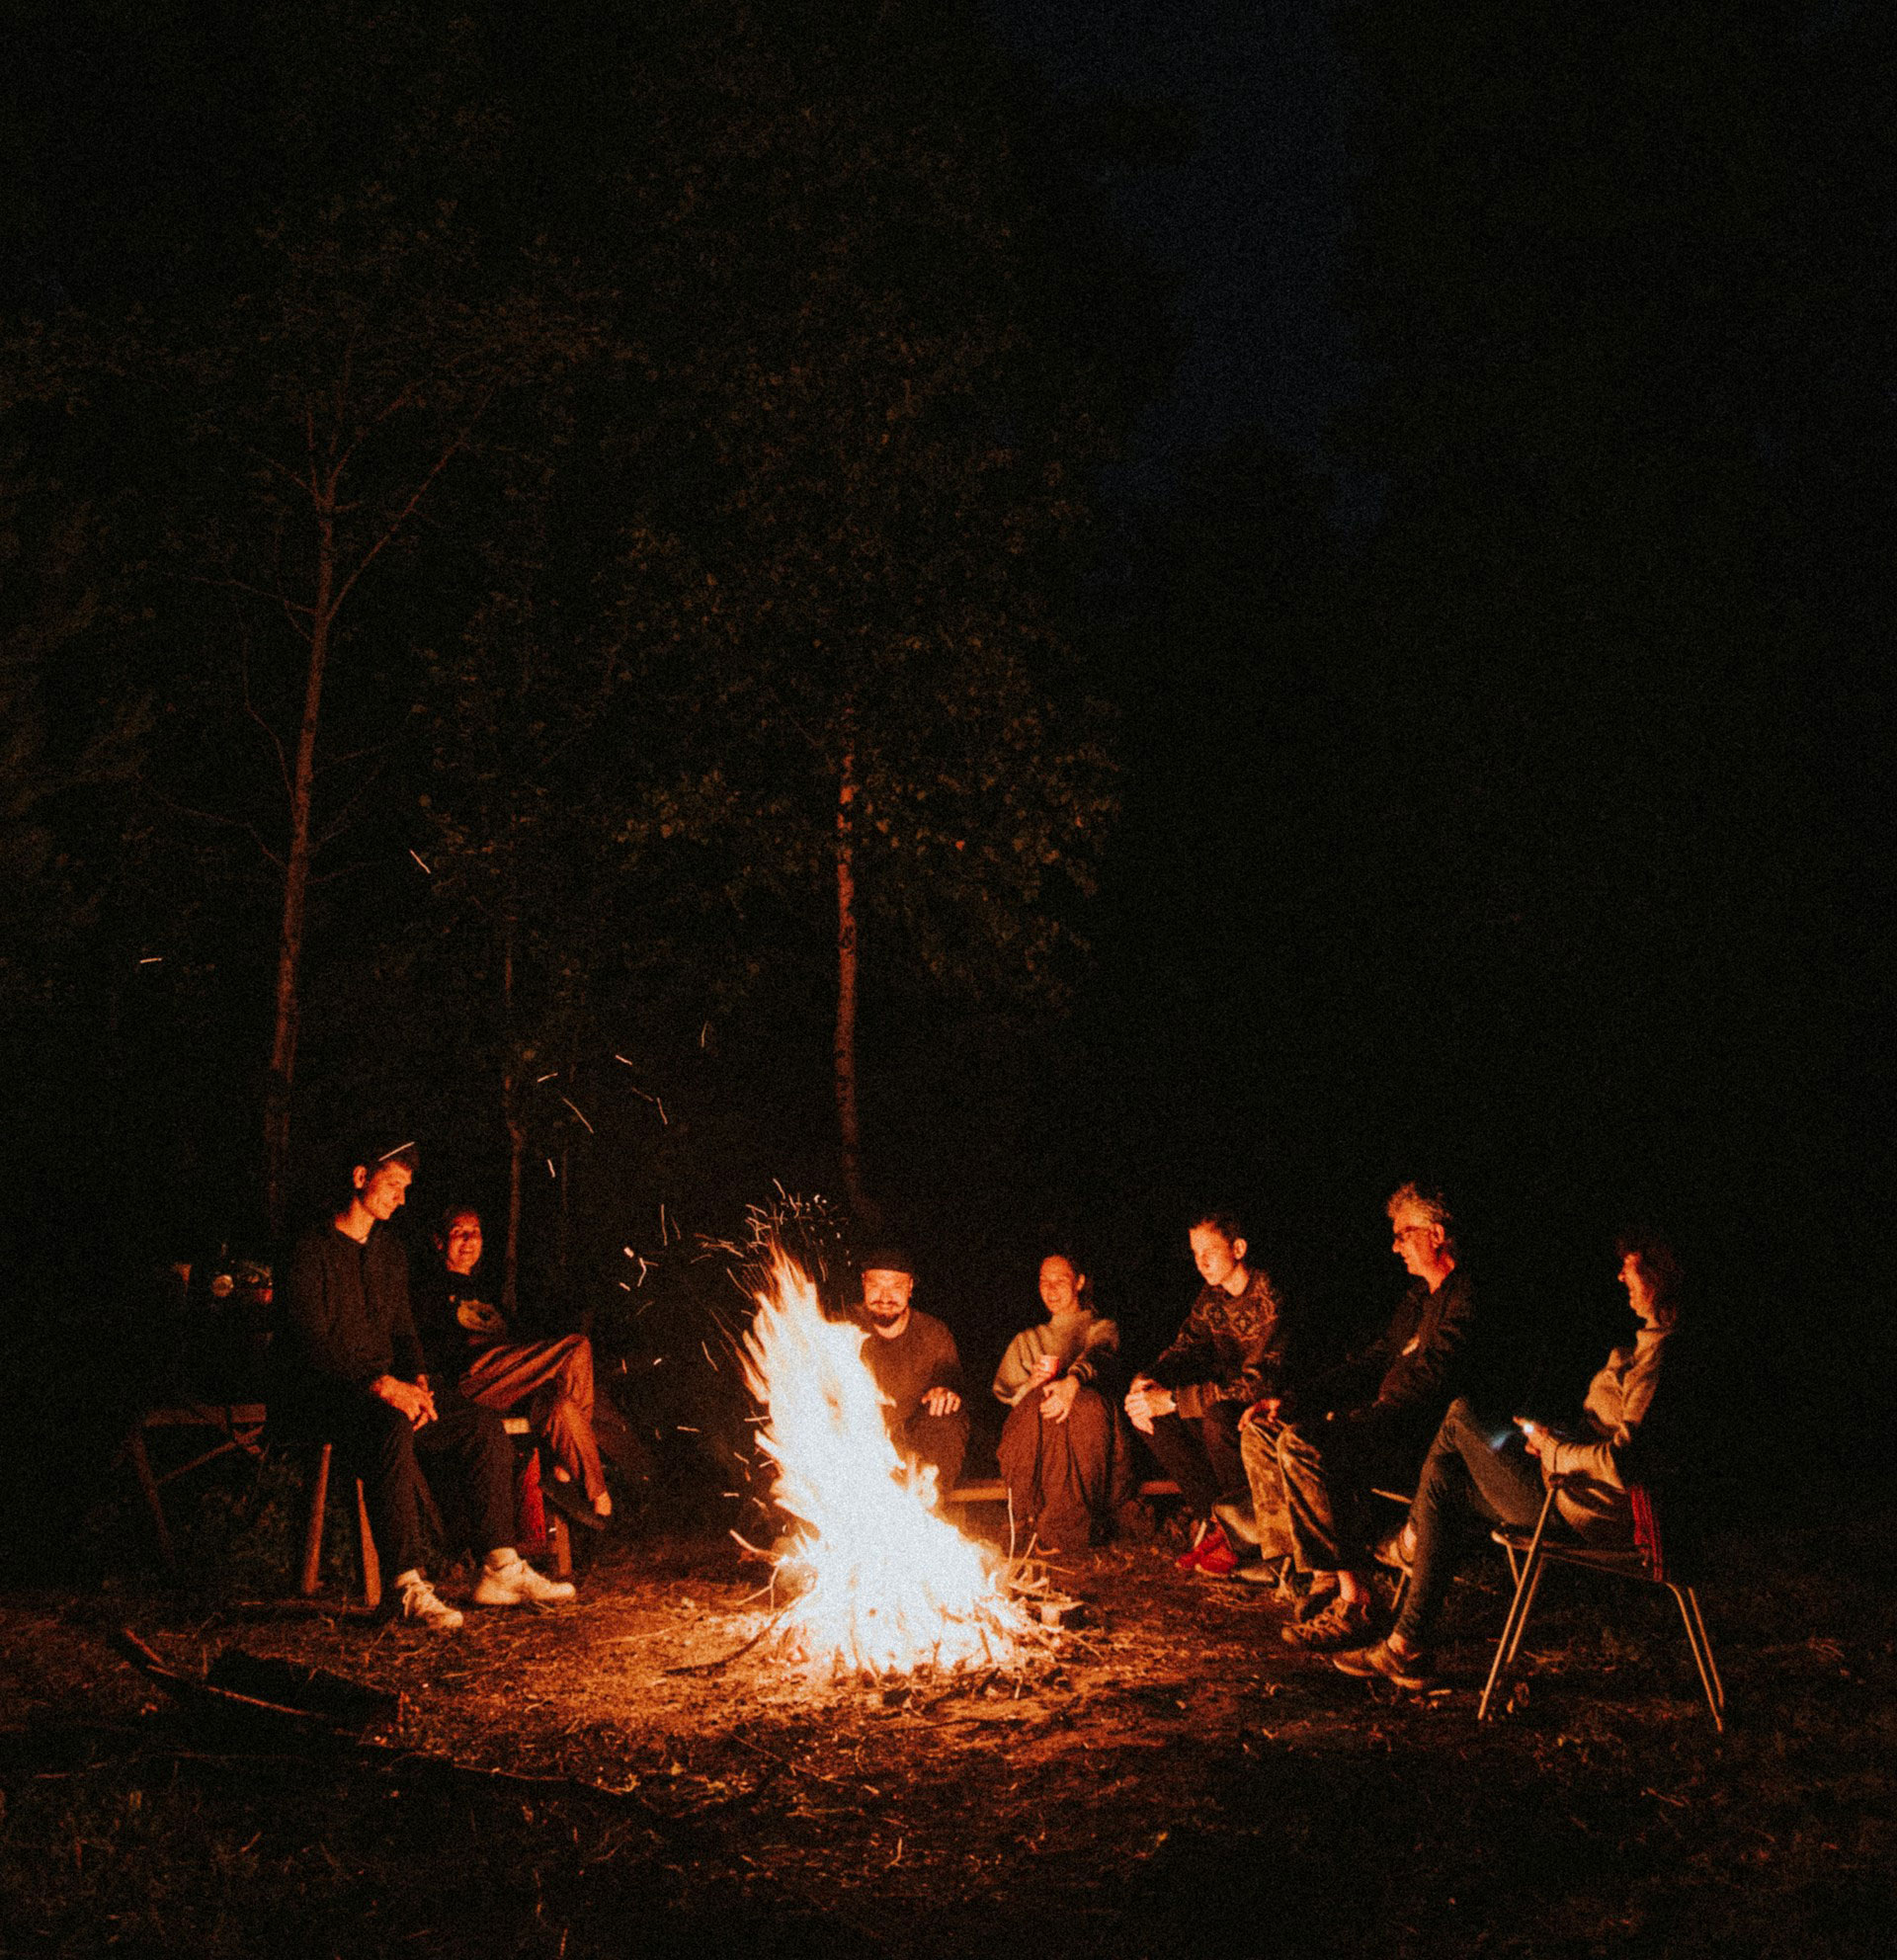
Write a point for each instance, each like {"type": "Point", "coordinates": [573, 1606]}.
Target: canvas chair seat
{"type": "Point", "coordinates": [1647, 1561]}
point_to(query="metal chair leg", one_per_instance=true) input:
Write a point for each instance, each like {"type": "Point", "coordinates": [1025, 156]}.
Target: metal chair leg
{"type": "Point", "coordinates": [1701, 1653]}
{"type": "Point", "coordinates": [1705, 1648]}
{"type": "Point", "coordinates": [1527, 1583]}
{"type": "Point", "coordinates": [1511, 1632]}
{"type": "Point", "coordinates": [1527, 1606]}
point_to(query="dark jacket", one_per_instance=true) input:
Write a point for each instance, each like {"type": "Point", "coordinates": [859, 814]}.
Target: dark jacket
{"type": "Point", "coordinates": [455, 1318]}
{"type": "Point", "coordinates": [1416, 1367]}
{"type": "Point", "coordinates": [1230, 1350]}
{"type": "Point", "coordinates": [345, 1311]}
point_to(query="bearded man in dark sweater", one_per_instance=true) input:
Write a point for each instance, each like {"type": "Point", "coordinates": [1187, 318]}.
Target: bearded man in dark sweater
{"type": "Point", "coordinates": [351, 1373]}
{"type": "Point", "coordinates": [913, 1357]}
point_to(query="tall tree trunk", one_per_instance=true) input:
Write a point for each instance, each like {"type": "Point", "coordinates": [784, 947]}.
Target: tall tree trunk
{"type": "Point", "coordinates": [289, 941]}
{"type": "Point", "coordinates": [511, 1114]}
{"type": "Point", "coordinates": [843, 1049]}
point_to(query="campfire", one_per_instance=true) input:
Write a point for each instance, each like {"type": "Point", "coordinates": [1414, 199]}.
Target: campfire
{"type": "Point", "coordinates": [887, 1583]}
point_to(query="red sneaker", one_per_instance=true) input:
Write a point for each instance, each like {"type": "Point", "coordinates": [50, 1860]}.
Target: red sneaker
{"type": "Point", "coordinates": [1187, 1560]}
{"type": "Point", "coordinates": [1212, 1555]}
{"type": "Point", "coordinates": [1216, 1558]}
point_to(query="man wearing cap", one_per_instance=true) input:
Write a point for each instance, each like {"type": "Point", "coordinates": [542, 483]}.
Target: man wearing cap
{"type": "Point", "coordinates": [913, 1357]}
{"type": "Point", "coordinates": [351, 1373]}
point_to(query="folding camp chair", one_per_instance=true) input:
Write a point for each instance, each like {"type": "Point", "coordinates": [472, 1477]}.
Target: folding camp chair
{"type": "Point", "coordinates": [1529, 1553]}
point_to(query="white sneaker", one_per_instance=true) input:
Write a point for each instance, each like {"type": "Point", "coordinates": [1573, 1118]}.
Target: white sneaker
{"type": "Point", "coordinates": [518, 1584]}
{"type": "Point", "coordinates": [422, 1605]}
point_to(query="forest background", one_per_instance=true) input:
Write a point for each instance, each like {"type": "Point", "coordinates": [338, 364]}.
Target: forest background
{"type": "Point", "coordinates": [670, 434]}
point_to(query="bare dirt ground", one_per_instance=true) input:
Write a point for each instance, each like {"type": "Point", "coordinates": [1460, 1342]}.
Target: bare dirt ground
{"type": "Point", "coordinates": [1175, 1780]}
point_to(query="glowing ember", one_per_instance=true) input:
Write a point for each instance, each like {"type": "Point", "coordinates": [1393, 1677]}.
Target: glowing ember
{"type": "Point", "coordinates": [895, 1587]}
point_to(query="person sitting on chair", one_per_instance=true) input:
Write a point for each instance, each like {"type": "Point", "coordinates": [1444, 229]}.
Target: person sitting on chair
{"type": "Point", "coordinates": [1474, 1481]}
{"type": "Point", "coordinates": [466, 1340]}
{"type": "Point", "coordinates": [1064, 1448]}
{"type": "Point", "coordinates": [1363, 1423]}
{"type": "Point", "coordinates": [350, 1373]}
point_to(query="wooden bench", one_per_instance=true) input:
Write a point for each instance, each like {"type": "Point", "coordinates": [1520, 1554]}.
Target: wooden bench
{"type": "Point", "coordinates": [992, 1489]}
{"type": "Point", "coordinates": [240, 1425]}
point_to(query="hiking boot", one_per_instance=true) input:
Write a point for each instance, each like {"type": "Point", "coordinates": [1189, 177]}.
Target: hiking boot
{"type": "Point", "coordinates": [1343, 1623]}
{"type": "Point", "coordinates": [1408, 1670]}
{"type": "Point", "coordinates": [418, 1604]}
{"type": "Point", "coordinates": [1398, 1550]}
{"type": "Point", "coordinates": [518, 1584]}
{"type": "Point", "coordinates": [1239, 1521]}
{"type": "Point", "coordinates": [1319, 1599]}
{"type": "Point", "coordinates": [574, 1505]}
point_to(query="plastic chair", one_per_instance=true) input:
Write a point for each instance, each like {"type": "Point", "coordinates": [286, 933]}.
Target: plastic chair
{"type": "Point", "coordinates": [1531, 1553]}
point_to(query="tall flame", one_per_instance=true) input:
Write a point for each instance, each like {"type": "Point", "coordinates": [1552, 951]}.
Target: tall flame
{"type": "Point", "coordinates": [896, 1586]}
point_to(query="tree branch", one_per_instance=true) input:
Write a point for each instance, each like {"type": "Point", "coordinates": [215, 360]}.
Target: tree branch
{"type": "Point", "coordinates": [250, 708]}
{"type": "Point", "coordinates": [227, 823]}
{"type": "Point", "coordinates": [341, 821]}
{"type": "Point", "coordinates": [408, 510]}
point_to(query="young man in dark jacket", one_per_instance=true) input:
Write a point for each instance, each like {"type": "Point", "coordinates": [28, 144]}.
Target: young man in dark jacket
{"type": "Point", "coordinates": [1229, 1355]}
{"type": "Point", "coordinates": [351, 1373]}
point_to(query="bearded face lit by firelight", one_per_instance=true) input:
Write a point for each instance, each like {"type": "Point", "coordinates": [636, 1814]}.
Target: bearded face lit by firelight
{"type": "Point", "coordinates": [885, 1297]}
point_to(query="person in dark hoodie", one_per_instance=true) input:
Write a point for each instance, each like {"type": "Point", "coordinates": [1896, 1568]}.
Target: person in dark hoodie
{"type": "Point", "coordinates": [350, 1373]}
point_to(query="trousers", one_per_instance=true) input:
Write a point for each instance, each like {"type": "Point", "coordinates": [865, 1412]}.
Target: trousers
{"type": "Point", "coordinates": [1200, 1454]}
{"type": "Point", "coordinates": [1469, 1486]}
{"type": "Point", "coordinates": [558, 1376]}
{"type": "Point", "coordinates": [1072, 1479]}
{"type": "Point", "coordinates": [1327, 1471]}
{"type": "Point", "coordinates": [465, 1449]}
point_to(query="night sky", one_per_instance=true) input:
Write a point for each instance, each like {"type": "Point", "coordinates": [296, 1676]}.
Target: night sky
{"type": "Point", "coordinates": [1492, 606]}
{"type": "Point", "coordinates": [1247, 224]}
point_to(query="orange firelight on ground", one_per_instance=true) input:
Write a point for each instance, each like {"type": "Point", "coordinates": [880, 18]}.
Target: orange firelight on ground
{"type": "Point", "coordinates": [894, 1586]}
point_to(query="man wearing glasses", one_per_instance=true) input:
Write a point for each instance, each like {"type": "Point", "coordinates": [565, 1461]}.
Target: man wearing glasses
{"type": "Point", "coordinates": [1362, 1424]}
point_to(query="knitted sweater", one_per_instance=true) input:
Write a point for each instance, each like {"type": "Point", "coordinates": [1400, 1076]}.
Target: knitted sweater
{"type": "Point", "coordinates": [1231, 1348]}
{"type": "Point", "coordinates": [1078, 1341]}
{"type": "Point", "coordinates": [1618, 1402]}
